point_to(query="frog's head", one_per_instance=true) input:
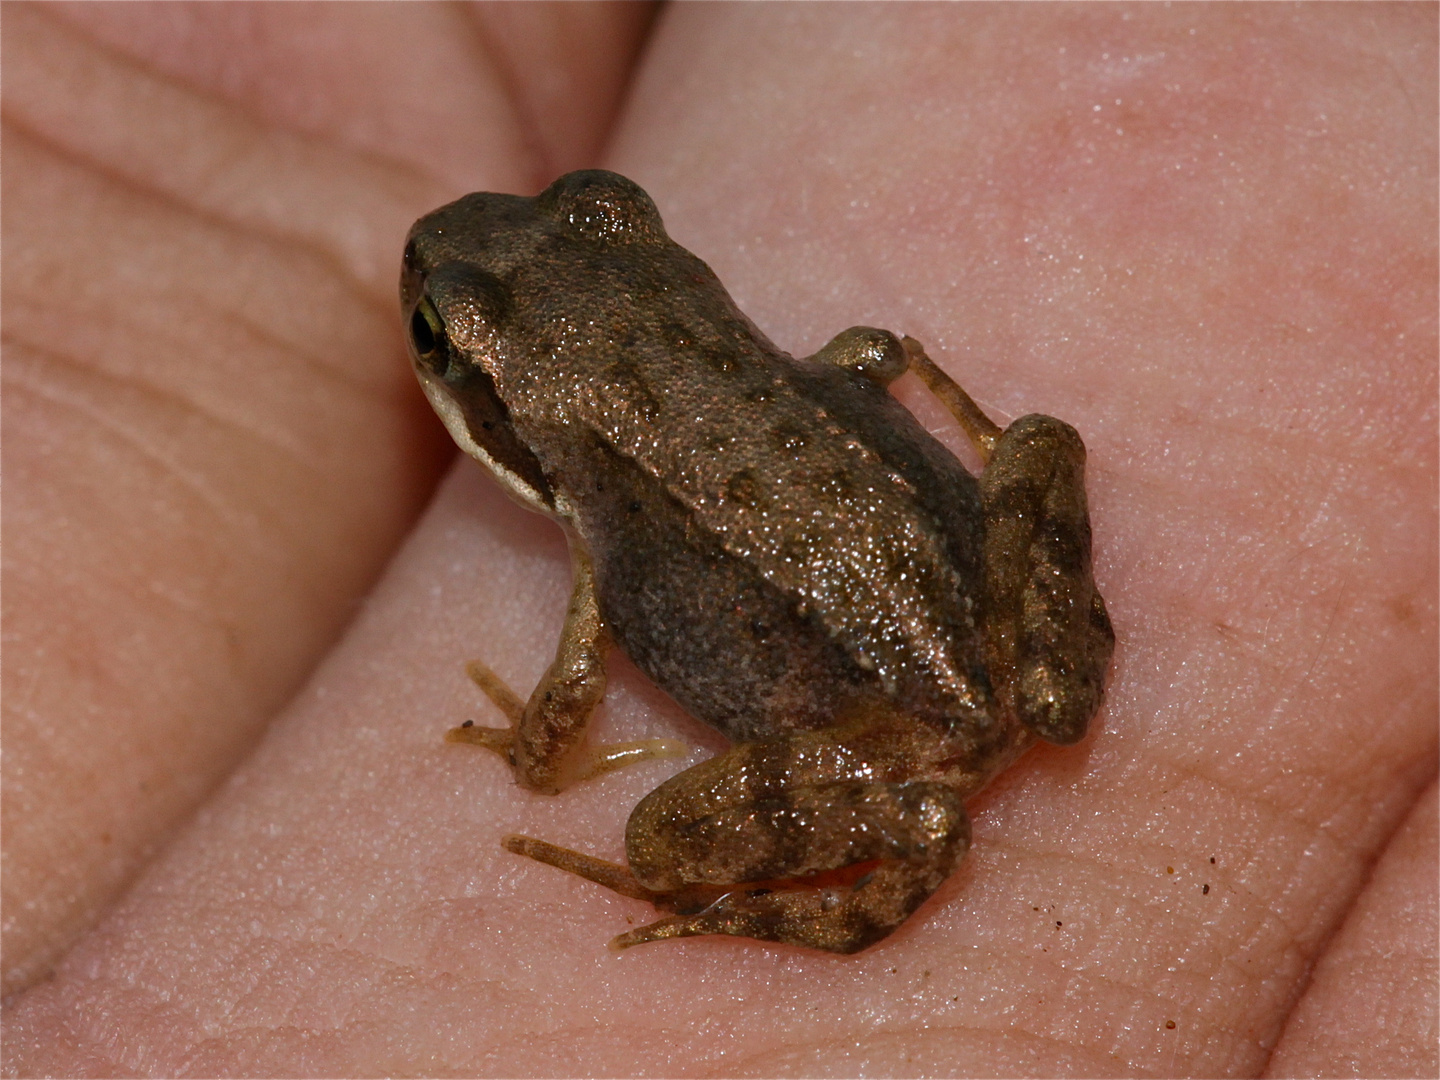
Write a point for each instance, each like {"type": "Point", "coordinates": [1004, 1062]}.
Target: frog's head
{"type": "Point", "coordinates": [504, 235]}
{"type": "Point", "coordinates": [488, 279]}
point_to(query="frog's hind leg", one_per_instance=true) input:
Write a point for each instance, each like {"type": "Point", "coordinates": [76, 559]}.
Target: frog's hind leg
{"type": "Point", "coordinates": [729, 846]}
{"type": "Point", "coordinates": [1049, 633]}
{"type": "Point", "coordinates": [841, 916]}
{"type": "Point", "coordinates": [911, 860]}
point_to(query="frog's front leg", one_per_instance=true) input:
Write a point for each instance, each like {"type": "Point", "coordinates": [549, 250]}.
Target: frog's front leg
{"type": "Point", "coordinates": [546, 733]}
{"type": "Point", "coordinates": [724, 843]}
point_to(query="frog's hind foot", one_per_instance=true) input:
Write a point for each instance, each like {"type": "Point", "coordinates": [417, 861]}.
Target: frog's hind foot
{"type": "Point", "coordinates": [694, 901]}
{"type": "Point", "coordinates": [613, 876]}
{"type": "Point", "coordinates": [836, 916]}
{"type": "Point", "coordinates": [835, 865]}
{"type": "Point", "coordinates": [816, 919]}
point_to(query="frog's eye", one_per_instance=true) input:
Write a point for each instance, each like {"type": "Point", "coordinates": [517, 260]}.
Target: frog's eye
{"type": "Point", "coordinates": [427, 336]}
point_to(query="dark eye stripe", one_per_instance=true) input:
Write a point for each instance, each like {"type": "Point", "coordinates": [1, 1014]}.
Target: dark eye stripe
{"type": "Point", "coordinates": [427, 335]}
{"type": "Point", "coordinates": [489, 423]}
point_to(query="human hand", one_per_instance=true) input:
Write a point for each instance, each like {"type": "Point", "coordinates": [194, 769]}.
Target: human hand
{"type": "Point", "coordinates": [1211, 252]}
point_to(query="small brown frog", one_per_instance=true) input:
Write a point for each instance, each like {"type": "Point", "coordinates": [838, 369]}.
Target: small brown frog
{"type": "Point", "coordinates": [777, 543]}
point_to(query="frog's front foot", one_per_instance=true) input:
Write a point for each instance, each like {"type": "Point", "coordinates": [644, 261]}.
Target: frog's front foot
{"type": "Point", "coordinates": [585, 764]}
{"type": "Point", "coordinates": [500, 740]}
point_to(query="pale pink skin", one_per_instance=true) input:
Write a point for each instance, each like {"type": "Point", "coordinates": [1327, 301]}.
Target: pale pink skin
{"type": "Point", "coordinates": [1204, 235]}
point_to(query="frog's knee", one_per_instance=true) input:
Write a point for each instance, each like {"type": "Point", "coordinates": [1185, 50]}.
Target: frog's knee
{"type": "Point", "coordinates": [649, 838]}
{"type": "Point", "coordinates": [876, 354]}
{"type": "Point", "coordinates": [1030, 449]}
{"type": "Point", "coordinates": [1056, 707]}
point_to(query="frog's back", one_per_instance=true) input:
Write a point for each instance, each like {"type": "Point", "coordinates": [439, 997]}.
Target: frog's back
{"type": "Point", "coordinates": [775, 537]}
{"type": "Point", "coordinates": [772, 538]}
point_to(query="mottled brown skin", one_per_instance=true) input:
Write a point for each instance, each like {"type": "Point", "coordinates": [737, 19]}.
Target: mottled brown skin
{"type": "Point", "coordinates": [777, 543]}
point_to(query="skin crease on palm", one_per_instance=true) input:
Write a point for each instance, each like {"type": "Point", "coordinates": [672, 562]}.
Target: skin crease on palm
{"type": "Point", "coordinates": [1203, 235]}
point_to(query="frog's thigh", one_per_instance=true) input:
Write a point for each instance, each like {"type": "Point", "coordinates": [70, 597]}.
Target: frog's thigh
{"type": "Point", "coordinates": [1045, 618]}
{"type": "Point", "coordinates": [724, 823]}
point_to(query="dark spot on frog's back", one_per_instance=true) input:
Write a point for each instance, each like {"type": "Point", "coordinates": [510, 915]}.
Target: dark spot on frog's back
{"type": "Point", "coordinates": [790, 438]}
{"type": "Point", "coordinates": [718, 359]}
{"type": "Point", "coordinates": [701, 344]}
{"type": "Point", "coordinates": [743, 489]}
{"type": "Point", "coordinates": [839, 485]}
{"type": "Point", "coordinates": [676, 337]}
